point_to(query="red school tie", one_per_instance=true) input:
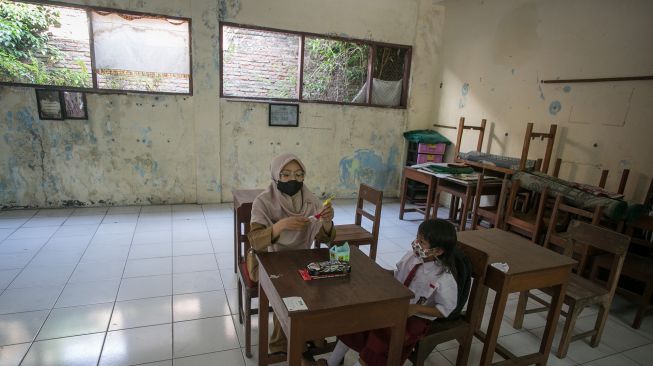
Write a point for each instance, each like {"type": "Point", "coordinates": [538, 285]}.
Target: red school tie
{"type": "Point", "coordinates": [411, 275]}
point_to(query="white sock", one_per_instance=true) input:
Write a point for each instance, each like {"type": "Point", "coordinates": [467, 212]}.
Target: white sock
{"type": "Point", "coordinates": [338, 354]}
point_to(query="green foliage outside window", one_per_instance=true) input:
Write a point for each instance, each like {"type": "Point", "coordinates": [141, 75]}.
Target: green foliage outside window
{"type": "Point", "coordinates": [25, 55]}
{"type": "Point", "coordinates": [334, 70]}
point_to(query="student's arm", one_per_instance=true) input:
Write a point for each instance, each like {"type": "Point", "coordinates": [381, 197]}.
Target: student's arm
{"type": "Point", "coordinates": [260, 236]}
{"type": "Point", "coordinates": [415, 309]}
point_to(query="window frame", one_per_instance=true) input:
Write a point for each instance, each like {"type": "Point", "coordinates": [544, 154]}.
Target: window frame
{"type": "Point", "coordinates": [95, 89]}
{"type": "Point", "coordinates": [403, 104]}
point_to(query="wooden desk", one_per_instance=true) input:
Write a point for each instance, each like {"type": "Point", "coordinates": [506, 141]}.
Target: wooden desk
{"type": "Point", "coordinates": [370, 298]}
{"type": "Point", "coordinates": [465, 191]}
{"type": "Point", "coordinates": [243, 199]}
{"type": "Point", "coordinates": [531, 267]}
{"type": "Point", "coordinates": [429, 180]}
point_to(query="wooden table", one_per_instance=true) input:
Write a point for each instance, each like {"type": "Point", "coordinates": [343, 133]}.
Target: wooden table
{"type": "Point", "coordinates": [370, 298]}
{"type": "Point", "coordinates": [416, 175]}
{"type": "Point", "coordinates": [464, 190]}
{"type": "Point", "coordinates": [243, 199]}
{"type": "Point", "coordinates": [530, 267]}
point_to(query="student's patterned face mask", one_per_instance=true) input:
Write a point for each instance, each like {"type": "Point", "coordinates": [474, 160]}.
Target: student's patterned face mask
{"type": "Point", "coordinates": [418, 250]}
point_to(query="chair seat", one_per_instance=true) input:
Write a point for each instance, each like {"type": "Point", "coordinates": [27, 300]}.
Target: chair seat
{"type": "Point", "coordinates": [243, 273]}
{"type": "Point", "coordinates": [580, 288]}
{"type": "Point", "coordinates": [353, 234]}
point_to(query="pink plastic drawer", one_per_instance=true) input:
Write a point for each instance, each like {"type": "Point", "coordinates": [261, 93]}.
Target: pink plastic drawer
{"type": "Point", "coordinates": [428, 158]}
{"type": "Point", "coordinates": [437, 149]}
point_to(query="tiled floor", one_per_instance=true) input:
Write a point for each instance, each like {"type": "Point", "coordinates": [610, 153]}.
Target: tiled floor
{"type": "Point", "coordinates": [155, 285]}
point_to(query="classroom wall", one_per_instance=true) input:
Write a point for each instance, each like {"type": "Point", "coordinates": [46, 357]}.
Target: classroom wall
{"type": "Point", "coordinates": [141, 149]}
{"type": "Point", "coordinates": [496, 52]}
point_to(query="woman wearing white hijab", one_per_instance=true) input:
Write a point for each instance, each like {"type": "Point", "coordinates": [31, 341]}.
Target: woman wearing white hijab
{"type": "Point", "coordinates": [280, 219]}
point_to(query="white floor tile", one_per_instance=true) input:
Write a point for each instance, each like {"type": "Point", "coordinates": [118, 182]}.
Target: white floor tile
{"type": "Point", "coordinates": [28, 299]}
{"type": "Point", "coordinates": [72, 351]}
{"type": "Point", "coordinates": [87, 293]}
{"type": "Point", "coordinates": [613, 360]}
{"type": "Point", "coordinates": [97, 271]}
{"type": "Point", "coordinates": [642, 355]}
{"type": "Point", "coordinates": [12, 355]}
{"type": "Point", "coordinates": [150, 251]}
{"type": "Point", "coordinates": [42, 277]}
{"type": "Point", "coordinates": [192, 247]}
{"type": "Point", "coordinates": [194, 263]}
{"type": "Point", "coordinates": [21, 327]}
{"type": "Point", "coordinates": [148, 267]}
{"type": "Point", "coordinates": [204, 335]}
{"type": "Point", "coordinates": [6, 276]}
{"type": "Point", "coordinates": [200, 305]}
{"type": "Point", "coordinates": [77, 320]}
{"type": "Point", "coordinates": [141, 312]}
{"type": "Point", "coordinates": [231, 357]}
{"type": "Point", "coordinates": [144, 287]}
{"type": "Point", "coordinates": [15, 260]}
{"type": "Point", "coordinates": [183, 283]}
{"type": "Point", "coordinates": [137, 345]}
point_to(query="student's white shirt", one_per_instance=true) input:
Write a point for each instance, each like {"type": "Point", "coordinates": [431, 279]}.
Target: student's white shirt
{"type": "Point", "coordinates": [432, 285]}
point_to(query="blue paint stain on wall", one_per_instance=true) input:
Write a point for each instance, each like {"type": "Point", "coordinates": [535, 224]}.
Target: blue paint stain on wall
{"type": "Point", "coordinates": [463, 98]}
{"type": "Point", "coordinates": [465, 89]}
{"type": "Point", "coordinates": [567, 89]}
{"type": "Point", "coordinates": [512, 71]}
{"type": "Point", "coordinates": [366, 166]}
{"type": "Point", "coordinates": [554, 107]}
{"type": "Point", "coordinates": [69, 151]}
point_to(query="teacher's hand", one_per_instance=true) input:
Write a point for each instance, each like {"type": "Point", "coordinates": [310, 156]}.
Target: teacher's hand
{"type": "Point", "coordinates": [327, 213]}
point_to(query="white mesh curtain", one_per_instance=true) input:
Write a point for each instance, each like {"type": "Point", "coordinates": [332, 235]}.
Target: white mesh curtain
{"type": "Point", "coordinates": [135, 44]}
{"type": "Point", "coordinates": [384, 92]}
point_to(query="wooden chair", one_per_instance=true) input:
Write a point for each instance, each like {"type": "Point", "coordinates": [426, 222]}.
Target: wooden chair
{"type": "Point", "coordinates": [558, 240]}
{"type": "Point", "coordinates": [638, 268]}
{"type": "Point", "coordinates": [495, 213]}
{"type": "Point", "coordinates": [355, 234]}
{"type": "Point", "coordinates": [461, 329]}
{"type": "Point", "coordinates": [459, 138]}
{"type": "Point", "coordinates": [582, 292]}
{"type": "Point", "coordinates": [247, 289]}
{"type": "Point", "coordinates": [526, 222]}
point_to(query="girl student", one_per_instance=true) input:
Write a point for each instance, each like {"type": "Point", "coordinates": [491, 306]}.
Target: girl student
{"type": "Point", "coordinates": [439, 275]}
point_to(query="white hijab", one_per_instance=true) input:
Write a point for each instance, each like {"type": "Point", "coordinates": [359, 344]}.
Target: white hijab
{"type": "Point", "coordinates": [273, 205]}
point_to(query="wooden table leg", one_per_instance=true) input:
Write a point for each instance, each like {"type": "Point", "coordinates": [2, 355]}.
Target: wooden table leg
{"type": "Point", "coordinates": [295, 345]}
{"type": "Point", "coordinates": [557, 299]}
{"type": "Point", "coordinates": [263, 314]}
{"type": "Point", "coordinates": [404, 186]}
{"type": "Point", "coordinates": [494, 326]}
{"type": "Point", "coordinates": [429, 202]}
{"type": "Point", "coordinates": [463, 215]}
{"type": "Point", "coordinates": [236, 243]}
{"type": "Point", "coordinates": [397, 334]}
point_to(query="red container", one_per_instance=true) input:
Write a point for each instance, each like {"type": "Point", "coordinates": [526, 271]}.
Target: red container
{"type": "Point", "coordinates": [428, 158]}
{"type": "Point", "coordinates": [436, 149]}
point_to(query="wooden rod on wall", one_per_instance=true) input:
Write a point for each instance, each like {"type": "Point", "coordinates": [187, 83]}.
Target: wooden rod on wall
{"type": "Point", "coordinates": [598, 80]}
{"type": "Point", "coordinates": [445, 126]}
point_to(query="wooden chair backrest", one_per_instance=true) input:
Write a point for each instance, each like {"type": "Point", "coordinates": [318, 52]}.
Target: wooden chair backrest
{"type": "Point", "coordinates": [375, 197]}
{"type": "Point", "coordinates": [243, 217]}
{"type": "Point", "coordinates": [462, 127]}
{"type": "Point", "coordinates": [605, 240]}
{"type": "Point", "coordinates": [475, 304]}
{"type": "Point", "coordinates": [550, 136]}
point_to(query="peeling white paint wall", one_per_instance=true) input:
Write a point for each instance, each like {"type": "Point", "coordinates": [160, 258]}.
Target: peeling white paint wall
{"type": "Point", "coordinates": [496, 52]}
{"type": "Point", "coordinates": [139, 149]}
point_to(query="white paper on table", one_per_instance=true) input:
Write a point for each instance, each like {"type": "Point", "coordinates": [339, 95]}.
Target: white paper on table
{"type": "Point", "coordinates": [503, 267]}
{"type": "Point", "coordinates": [295, 303]}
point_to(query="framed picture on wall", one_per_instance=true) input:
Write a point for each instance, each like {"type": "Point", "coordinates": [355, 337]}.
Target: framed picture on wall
{"type": "Point", "coordinates": [284, 115]}
{"type": "Point", "coordinates": [74, 105]}
{"type": "Point", "coordinates": [50, 104]}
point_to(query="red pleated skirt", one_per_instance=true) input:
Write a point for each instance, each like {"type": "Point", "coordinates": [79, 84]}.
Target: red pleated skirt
{"type": "Point", "coordinates": [372, 346]}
